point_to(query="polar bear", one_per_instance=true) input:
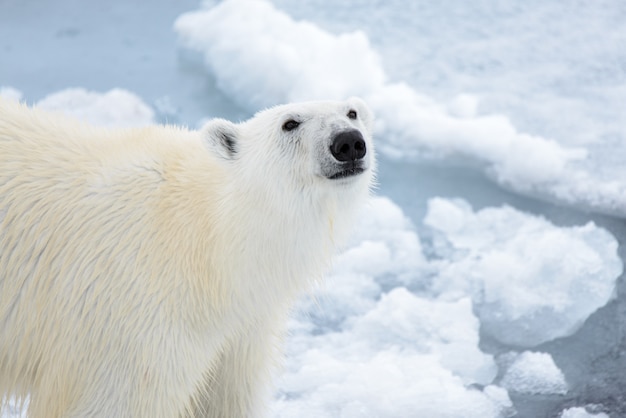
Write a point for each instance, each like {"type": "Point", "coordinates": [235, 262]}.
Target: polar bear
{"type": "Point", "coordinates": [149, 272]}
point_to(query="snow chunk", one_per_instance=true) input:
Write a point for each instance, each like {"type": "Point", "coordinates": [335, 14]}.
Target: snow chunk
{"type": "Point", "coordinates": [530, 281]}
{"type": "Point", "coordinates": [448, 329]}
{"type": "Point", "coordinates": [116, 107]}
{"type": "Point", "coordinates": [464, 106]}
{"type": "Point", "coordinates": [375, 348]}
{"type": "Point", "coordinates": [384, 252]}
{"type": "Point", "coordinates": [411, 120]}
{"type": "Point", "coordinates": [419, 353]}
{"type": "Point", "coordinates": [389, 384]}
{"type": "Point", "coordinates": [10, 93]}
{"type": "Point", "coordinates": [384, 225]}
{"type": "Point", "coordinates": [578, 412]}
{"type": "Point", "coordinates": [533, 373]}
{"type": "Point", "coordinates": [284, 60]}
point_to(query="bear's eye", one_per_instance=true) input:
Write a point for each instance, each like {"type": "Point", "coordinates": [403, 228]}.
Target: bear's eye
{"type": "Point", "coordinates": [290, 125]}
{"type": "Point", "coordinates": [352, 114]}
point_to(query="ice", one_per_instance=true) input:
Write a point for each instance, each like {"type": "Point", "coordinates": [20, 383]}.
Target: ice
{"type": "Point", "coordinates": [10, 93]}
{"type": "Point", "coordinates": [261, 56]}
{"type": "Point", "coordinates": [533, 373]}
{"type": "Point", "coordinates": [389, 310]}
{"type": "Point", "coordinates": [530, 281]}
{"type": "Point", "coordinates": [578, 412]}
{"type": "Point", "coordinates": [15, 410]}
{"type": "Point", "coordinates": [447, 329]}
{"type": "Point", "coordinates": [365, 334]}
{"type": "Point", "coordinates": [333, 67]}
{"type": "Point", "coordinates": [351, 344]}
{"type": "Point", "coordinates": [117, 107]}
{"type": "Point", "coordinates": [522, 291]}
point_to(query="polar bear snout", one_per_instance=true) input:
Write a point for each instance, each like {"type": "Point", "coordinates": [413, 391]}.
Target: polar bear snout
{"type": "Point", "coordinates": [348, 150]}
{"type": "Point", "coordinates": [348, 146]}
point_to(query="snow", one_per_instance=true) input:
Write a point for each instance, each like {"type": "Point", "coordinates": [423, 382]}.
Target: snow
{"type": "Point", "coordinates": [578, 412]}
{"type": "Point", "coordinates": [530, 281]}
{"type": "Point", "coordinates": [10, 93]}
{"type": "Point", "coordinates": [406, 348]}
{"type": "Point", "coordinates": [116, 107]}
{"type": "Point", "coordinates": [368, 333]}
{"type": "Point", "coordinates": [287, 60]}
{"type": "Point", "coordinates": [534, 373]}
{"type": "Point", "coordinates": [425, 312]}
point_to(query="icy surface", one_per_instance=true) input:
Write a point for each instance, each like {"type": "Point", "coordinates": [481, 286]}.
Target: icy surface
{"type": "Point", "coordinates": [530, 281]}
{"type": "Point", "coordinates": [359, 341]}
{"type": "Point", "coordinates": [578, 412]}
{"type": "Point", "coordinates": [287, 60]}
{"type": "Point", "coordinates": [340, 340]}
{"type": "Point", "coordinates": [344, 373]}
{"type": "Point", "coordinates": [534, 373]}
{"type": "Point", "coordinates": [10, 93]}
{"type": "Point", "coordinates": [116, 107]}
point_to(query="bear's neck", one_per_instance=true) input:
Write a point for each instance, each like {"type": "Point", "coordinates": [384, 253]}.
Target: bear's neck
{"type": "Point", "coordinates": [256, 249]}
{"type": "Point", "coordinates": [284, 246]}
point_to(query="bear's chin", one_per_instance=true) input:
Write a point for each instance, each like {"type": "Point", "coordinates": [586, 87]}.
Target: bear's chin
{"type": "Point", "coordinates": [349, 172]}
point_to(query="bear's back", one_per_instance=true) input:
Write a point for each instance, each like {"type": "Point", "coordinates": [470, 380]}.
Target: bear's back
{"type": "Point", "coordinates": [80, 205]}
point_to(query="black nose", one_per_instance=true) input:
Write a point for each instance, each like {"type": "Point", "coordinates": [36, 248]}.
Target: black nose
{"type": "Point", "coordinates": [348, 146]}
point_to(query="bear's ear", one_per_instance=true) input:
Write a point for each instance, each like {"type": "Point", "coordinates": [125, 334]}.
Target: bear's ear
{"type": "Point", "coordinates": [220, 137]}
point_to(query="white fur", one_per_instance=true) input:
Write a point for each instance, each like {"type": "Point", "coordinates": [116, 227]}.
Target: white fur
{"type": "Point", "coordinates": [149, 272]}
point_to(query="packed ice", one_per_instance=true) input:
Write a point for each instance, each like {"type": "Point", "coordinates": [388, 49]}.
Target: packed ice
{"type": "Point", "coordinates": [387, 301]}
{"type": "Point", "coordinates": [530, 281]}
{"type": "Point", "coordinates": [580, 412]}
{"type": "Point", "coordinates": [365, 334]}
{"type": "Point", "coordinates": [532, 372]}
{"type": "Point", "coordinates": [116, 107]}
{"type": "Point", "coordinates": [10, 93]}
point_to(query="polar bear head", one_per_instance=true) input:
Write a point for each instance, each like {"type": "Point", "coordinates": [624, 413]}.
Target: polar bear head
{"type": "Point", "coordinates": [305, 146]}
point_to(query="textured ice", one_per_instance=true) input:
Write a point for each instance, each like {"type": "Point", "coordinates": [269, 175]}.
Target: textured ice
{"type": "Point", "coordinates": [359, 353]}
{"type": "Point", "coordinates": [117, 107]}
{"type": "Point", "coordinates": [532, 373]}
{"type": "Point", "coordinates": [385, 252]}
{"type": "Point", "coordinates": [352, 344]}
{"type": "Point", "coordinates": [344, 373]}
{"type": "Point", "coordinates": [579, 412]}
{"type": "Point", "coordinates": [10, 93]}
{"type": "Point", "coordinates": [285, 60]}
{"type": "Point", "coordinates": [261, 56]}
{"type": "Point", "coordinates": [530, 281]}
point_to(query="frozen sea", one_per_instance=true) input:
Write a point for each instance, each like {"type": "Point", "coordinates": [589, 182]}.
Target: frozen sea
{"type": "Point", "coordinates": [486, 277]}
